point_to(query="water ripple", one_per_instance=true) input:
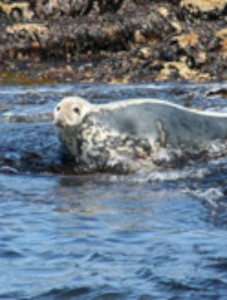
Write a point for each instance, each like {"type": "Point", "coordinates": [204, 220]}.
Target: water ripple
{"type": "Point", "coordinates": [150, 235]}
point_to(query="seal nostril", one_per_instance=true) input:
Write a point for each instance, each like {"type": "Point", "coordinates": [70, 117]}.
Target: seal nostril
{"type": "Point", "coordinates": [59, 122]}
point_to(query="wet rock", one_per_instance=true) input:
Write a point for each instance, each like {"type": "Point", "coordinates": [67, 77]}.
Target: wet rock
{"type": "Point", "coordinates": [220, 92]}
{"type": "Point", "coordinates": [8, 170]}
{"type": "Point", "coordinates": [33, 148]}
{"type": "Point", "coordinates": [115, 40]}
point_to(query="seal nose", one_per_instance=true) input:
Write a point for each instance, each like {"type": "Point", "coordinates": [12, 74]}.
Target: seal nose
{"type": "Point", "coordinates": [59, 122]}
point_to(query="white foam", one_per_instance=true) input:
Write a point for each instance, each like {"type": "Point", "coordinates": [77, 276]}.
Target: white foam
{"type": "Point", "coordinates": [195, 173]}
{"type": "Point", "coordinates": [210, 195]}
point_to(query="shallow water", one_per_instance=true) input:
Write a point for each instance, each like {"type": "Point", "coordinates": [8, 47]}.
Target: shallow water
{"type": "Point", "coordinates": [156, 235]}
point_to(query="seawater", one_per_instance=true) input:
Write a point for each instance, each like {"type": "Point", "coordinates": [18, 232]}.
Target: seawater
{"type": "Point", "coordinates": [150, 235]}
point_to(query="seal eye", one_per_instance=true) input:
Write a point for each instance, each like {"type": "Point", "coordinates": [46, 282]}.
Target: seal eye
{"type": "Point", "coordinates": [76, 110]}
{"type": "Point", "coordinates": [58, 108]}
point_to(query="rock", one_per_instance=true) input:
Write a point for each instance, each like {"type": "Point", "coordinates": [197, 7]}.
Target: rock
{"type": "Point", "coordinates": [203, 6]}
{"type": "Point", "coordinates": [115, 40]}
{"type": "Point", "coordinates": [181, 70]}
{"type": "Point", "coordinates": [17, 11]}
{"type": "Point", "coordinates": [188, 39]}
{"type": "Point", "coordinates": [222, 35]}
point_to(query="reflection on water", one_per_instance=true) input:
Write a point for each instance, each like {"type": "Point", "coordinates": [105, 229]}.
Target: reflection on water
{"type": "Point", "coordinates": [159, 235]}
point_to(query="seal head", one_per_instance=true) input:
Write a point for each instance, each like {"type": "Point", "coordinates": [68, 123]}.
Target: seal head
{"type": "Point", "coordinates": [71, 111]}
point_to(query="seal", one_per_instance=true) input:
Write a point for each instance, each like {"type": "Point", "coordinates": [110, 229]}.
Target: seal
{"type": "Point", "coordinates": [125, 134]}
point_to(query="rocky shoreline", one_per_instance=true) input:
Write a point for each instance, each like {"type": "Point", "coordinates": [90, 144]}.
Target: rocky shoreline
{"type": "Point", "coordinates": [117, 41]}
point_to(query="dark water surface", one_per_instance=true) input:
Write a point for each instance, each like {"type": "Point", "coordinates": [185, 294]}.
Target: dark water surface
{"type": "Point", "coordinates": [158, 235]}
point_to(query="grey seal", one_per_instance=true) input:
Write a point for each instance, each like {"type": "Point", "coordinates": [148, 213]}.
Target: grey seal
{"type": "Point", "coordinates": [125, 134]}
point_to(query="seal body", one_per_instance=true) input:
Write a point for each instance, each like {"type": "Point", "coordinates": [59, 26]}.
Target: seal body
{"type": "Point", "coordinates": [98, 148]}
{"type": "Point", "coordinates": [123, 134]}
{"type": "Point", "coordinates": [165, 124]}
